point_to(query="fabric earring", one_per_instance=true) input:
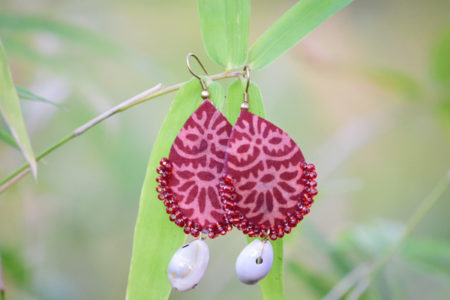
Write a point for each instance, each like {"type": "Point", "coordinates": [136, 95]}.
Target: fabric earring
{"type": "Point", "coordinates": [188, 181]}
{"type": "Point", "coordinates": [267, 187]}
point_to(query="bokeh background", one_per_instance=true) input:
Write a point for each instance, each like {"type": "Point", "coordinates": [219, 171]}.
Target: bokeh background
{"type": "Point", "coordinates": [366, 96]}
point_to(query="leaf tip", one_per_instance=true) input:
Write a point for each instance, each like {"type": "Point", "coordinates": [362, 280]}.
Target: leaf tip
{"type": "Point", "coordinates": [33, 168]}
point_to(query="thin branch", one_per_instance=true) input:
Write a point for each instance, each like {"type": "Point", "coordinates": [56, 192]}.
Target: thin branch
{"type": "Point", "coordinates": [127, 104]}
{"type": "Point", "coordinates": [359, 289]}
{"type": "Point", "coordinates": [360, 278]}
{"type": "Point", "coordinates": [16, 176]}
{"type": "Point", "coordinates": [421, 211]}
{"type": "Point", "coordinates": [116, 109]}
{"type": "Point", "coordinates": [346, 283]}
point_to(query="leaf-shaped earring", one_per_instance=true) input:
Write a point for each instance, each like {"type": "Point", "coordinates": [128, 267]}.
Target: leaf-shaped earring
{"type": "Point", "coordinates": [267, 187]}
{"type": "Point", "coordinates": [188, 181]}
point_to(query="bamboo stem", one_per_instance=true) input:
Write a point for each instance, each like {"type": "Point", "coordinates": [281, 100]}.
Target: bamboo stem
{"type": "Point", "coordinates": [360, 281]}
{"type": "Point", "coordinates": [421, 211]}
{"type": "Point", "coordinates": [149, 94]}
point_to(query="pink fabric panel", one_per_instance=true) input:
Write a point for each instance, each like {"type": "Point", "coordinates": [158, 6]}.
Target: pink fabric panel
{"type": "Point", "coordinates": [265, 162]}
{"type": "Point", "coordinates": [197, 156]}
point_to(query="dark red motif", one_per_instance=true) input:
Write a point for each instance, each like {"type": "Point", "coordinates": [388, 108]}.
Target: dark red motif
{"type": "Point", "coordinates": [190, 176]}
{"type": "Point", "coordinates": [267, 187]}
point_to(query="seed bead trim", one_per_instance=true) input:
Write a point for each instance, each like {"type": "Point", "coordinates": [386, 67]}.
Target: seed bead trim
{"type": "Point", "coordinates": [235, 217]}
{"type": "Point", "coordinates": [166, 195]}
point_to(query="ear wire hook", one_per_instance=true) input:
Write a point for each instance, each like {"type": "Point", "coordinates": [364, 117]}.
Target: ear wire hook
{"type": "Point", "coordinates": [246, 74]}
{"type": "Point", "coordinates": [205, 93]}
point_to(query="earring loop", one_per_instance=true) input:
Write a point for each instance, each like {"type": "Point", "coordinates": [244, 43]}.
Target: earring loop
{"type": "Point", "coordinates": [192, 72]}
{"type": "Point", "coordinates": [246, 74]}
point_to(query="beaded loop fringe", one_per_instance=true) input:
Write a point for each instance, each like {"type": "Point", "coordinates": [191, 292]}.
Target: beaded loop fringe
{"type": "Point", "coordinates": [235, 217]}
{"type": "Point", "coordinates": [166, 195]}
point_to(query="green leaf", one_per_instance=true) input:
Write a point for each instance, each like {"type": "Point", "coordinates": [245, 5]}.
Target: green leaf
{"type": "Point", "coordinates": [15, 269]}
{"type": "Point", "coordinates": [27, 95]}
{"type": "Point", "coordinates": [370, 241]}
{"type": "Point", "coordinates": [68, 32]}
{"type": "Point", "coordinates": [440, 59]}
{"type": "Point", "coordinates": [337, 255]}
{"type": "Point", "coordinates": [2, 283]}
{"type": "Point", "coordinates": [7, 138]}
{"type": "Point", "coordinates": [430, 255]}
{"type": "Point", "coordinates": [294, 25]}
{"type": "Point", "coordinates": [272, 286]}
{"type": "Point", "coordinates": [224, 25]}
{"type": "Point", "coordinates": [23, 51]}
{"type": "Point", "coordinates": [11, 111]}
{"type": "Point", "coordinates": [235, 97]}
{"type": "Point", "coordinates": [442, 111]}
{"type": "Point", "coordinates": [396, 81]}
{"type": "Point", "coordinates": [156, 239]}
{"type": "Point", "coordinates": [17, 27]}
{"type": "Point", "coordinates": [14, 266]}
{"type": "Point", "coordinates": [319, 283]}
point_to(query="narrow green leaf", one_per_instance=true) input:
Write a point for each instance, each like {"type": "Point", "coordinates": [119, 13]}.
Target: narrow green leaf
{"type": "Point", "coordinates": [440, 60]}
{"type": "Point", "coordinates": [224, 25]}
{"type": "Point", "coordinates": [430, 255]}
{"type": "Point", "coordinates": [393, 80]}
{"type": "Point", "coordinates": [442, 110]}
{"type": "Point", "coordinates": [21, 50]}
{"type": "Point", "coordinates": [7, 138]}
{"type": "Point", "coordinates": [294, 25]}
{"type": "Point", "coordinates": [16, 26]}
{"type": "Point", "coordinates": [2, 283]}
{"type": "Point", "coordinates": [27, 95]}
{"type": "Point", "coordinates": [156, 239]}
{"type": "Point", "coordinates": [337, 255]}
{"type": "Point", "coordinates": [81, 36]}
{"type": "Point", "coordinates": [235, 97]}
{"type": "Point", "coordinates": [319, 283]}
{"type": "Point", "coordinates": [15, 266]}
{"type": "Point", "coordinates": [11, 111]}
{"type": "Point", "coordinates": [272, 286]}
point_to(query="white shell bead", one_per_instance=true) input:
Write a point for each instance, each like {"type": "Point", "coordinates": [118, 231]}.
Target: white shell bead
{"type": "Point", "coordinates": [249, 269]}
{"type": "Point", "coordinates": [188, 265]}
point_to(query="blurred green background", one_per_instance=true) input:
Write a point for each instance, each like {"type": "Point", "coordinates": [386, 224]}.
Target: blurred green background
{"type": "Point", "coordinates": [366, 96]}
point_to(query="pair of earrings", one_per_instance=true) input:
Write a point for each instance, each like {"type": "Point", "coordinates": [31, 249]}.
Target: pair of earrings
{"type": "Point", "coordinates": [251, 176]}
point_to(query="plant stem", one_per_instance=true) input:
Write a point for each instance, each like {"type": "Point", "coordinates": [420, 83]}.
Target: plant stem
{"type": "Point", "coordinates": [135, 100]}
{"type": "Point", "coordinates": [347, 282]}
{"type": "Point", "coordinates": [361, 281]}
{"type": "Point", "coordinates": [421, 211]}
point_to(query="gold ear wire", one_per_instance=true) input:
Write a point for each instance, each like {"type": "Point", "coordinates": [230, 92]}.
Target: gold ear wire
{"type": "Point", "coordinates": [246, 74]}
{"type": "Point", "coordinates": [205, 93]}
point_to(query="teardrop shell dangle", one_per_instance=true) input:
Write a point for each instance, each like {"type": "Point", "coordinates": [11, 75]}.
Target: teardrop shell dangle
{"type": "Point", "coordinates": [254, 262]}
{"type": "Point", "coordinates": [188, 265]}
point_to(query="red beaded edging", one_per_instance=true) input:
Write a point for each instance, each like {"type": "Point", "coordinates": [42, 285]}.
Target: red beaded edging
{"type": "Point", "coordinates": [166, 194]}
{"type": "Point", "coordinates": [236, 218]}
